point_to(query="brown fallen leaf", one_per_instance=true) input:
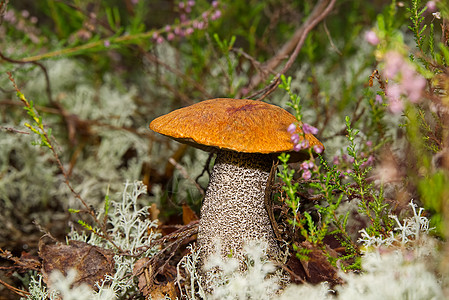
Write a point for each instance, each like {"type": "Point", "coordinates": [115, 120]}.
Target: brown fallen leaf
{"type": "Point", "coordinates": [92, 263]}
{"type": "Point", "coordinates": [188, 215]}
{"type": "Point", "coordinates": [316, 269]}
{"type": "Point", "coordinates": [145, 270]}
{"type": "Point", "coordinates": [161, 291]}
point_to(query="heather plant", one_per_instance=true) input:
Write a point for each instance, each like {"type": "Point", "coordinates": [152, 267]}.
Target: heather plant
{"type": "Point", "coordinates": [369, 81]}
{"type": "Point", "coordinates": [402, 84]}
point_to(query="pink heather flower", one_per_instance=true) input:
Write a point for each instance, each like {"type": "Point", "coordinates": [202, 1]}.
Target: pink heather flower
{"type": "Point", "coordinates": [170, 36]}
{"type": "Point", "coordinates": [372, 38]}
{"type": "Point", "coordinates": [431, 6]}
{"type": "Point", "coordinates": [191, 3]}
{"type": "Point", "coordinates": [318, 149]}
{"type": "Point", "coordinates": [201, 25]}
{"type": "Point", "coordinates": [336, 160]}
{"type": "Point", "coordinates": [107, 43]}
{"type": "Point", "coordinates": [369, 143]}
{"type": "Point", "coordinates": [216, 15]}
{"type": "Point", "coordinates": [306, 174]}
{"type": "Point", "coordinates": [291, 128]}
{"type": "Point", "coordinates": [306, 165]}
{"type": "Point", "coordinates": [178, 31]}
{"type": "Point", "coordinates": [393, 63]}
{"type": "Point", "coordinates": [396, 106]}
{"type": "Point", "coordinates": [181, 5]}
{"type": "Point", "coordinates": [134, 2]}
{"type": "Point", "coordinates": [309, 129]}
{"type": "Point", "coordinates": [25, 13]}
{"type": "Point", "coordinates": [10, 17]}
{"type": "Point", "coordinates": [189, 31]}
{"type": "Point", "coordinates": [393, 92]}
{"type": "Point", "coordinates": [304, 144]}
{"type": "Point", "coordinates": [167, 28]}
{"type": "Point", "coordinates": [214, 3]}
{"type": "Point", "coordinates": [348, 158]}
{"type": "Point", "coordinates": [368, 162]}
{"type": "Point", "coordinates": [295, 138]}
{"type": "Point", "coordinates": [378, 99]}
{"type": "Point", "coordinates": [414, 87]}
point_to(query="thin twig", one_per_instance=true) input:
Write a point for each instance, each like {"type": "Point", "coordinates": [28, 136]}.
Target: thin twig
{"type": "Point", "coordinates": [13, 130]}
{"type": "Point", "coordinates": [89, 210]}
{"type": "Point", "coordinates": [19, 292]}
{"type": "Point", "coordinates": [41, 66]}
{"type": "Point", "coordinates": [320, 11]}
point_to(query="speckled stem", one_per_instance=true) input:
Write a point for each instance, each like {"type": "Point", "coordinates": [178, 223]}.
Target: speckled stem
{"type": "Point", "coordinates": [233, 211]}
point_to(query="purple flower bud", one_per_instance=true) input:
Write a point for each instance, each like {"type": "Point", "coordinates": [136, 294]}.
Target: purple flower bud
{"type": "Point", "coordinates": [372, 38]}
{"type": "Point", "coordinates": [431, 6]}
{"type": "Point", "coordinates": [393, 92]}
{"type": "Point", "coordinates": [306, 175]}
{"type": "Point", "coordinates": [216, 15]}
{"type": "Point", "coordinates": [304, 144]}
{"type": "Point", "coordinates": [414, 87]}
{"type": "Point", "coordinates": [170, 36]}
{"type": "Point", "coordinates": [295, 138]}
{"type": "Point", "coordinates": [318, 149]}
{"type": "Point", "coordinates": [304, 166]}
{"type": "Point", "coordinates": [393, 63]}
{"type": "Point", "coordinates": [368, 162]}
{"type": "Point", "coordinates": [214, 3]}
{"type": "Point", "coordinates": [378, 99]}
{"type": "Point", "coordinates": [178, 31]}
{"type": "Point", "coordinates": [309, 129]}
{"type": "Point", "coordinates": [107, 43]}
{"type": "Point", "coordinates": [25, 13]}
{"type": "Point", "coordinates": [396, 106]}
{"type": "Point", "coordinates": [291, 128]}
{"type": "Point", "coordinates": [336, 160]}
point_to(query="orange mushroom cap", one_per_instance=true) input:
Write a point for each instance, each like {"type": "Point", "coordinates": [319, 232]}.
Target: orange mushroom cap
{"type": "Point", "coordinates": [240, 125]}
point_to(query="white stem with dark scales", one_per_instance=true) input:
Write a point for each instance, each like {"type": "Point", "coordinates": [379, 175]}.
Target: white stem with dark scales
{"type": "Point", "coordinates": [233, 212]}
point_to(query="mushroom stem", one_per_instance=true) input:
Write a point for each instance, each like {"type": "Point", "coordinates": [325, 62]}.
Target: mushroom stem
{"type": "Point", "coordinates": [233, 212]}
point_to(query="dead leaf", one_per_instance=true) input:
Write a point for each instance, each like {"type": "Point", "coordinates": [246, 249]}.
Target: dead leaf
{"type": "Point", "coordinates": [317, 268]}
{"type": "Point", "coordinates": [161, 291]}
{"type": "Point", "coordinates": [188, 215]}
{"type": "Point", "coordinates": [92, 263]}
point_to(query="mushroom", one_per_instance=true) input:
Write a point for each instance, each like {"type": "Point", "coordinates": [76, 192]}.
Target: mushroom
{"type": "Point", "coordinates": [247, 137]}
